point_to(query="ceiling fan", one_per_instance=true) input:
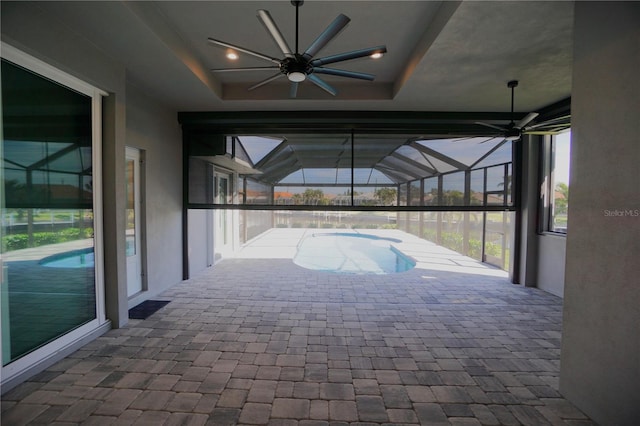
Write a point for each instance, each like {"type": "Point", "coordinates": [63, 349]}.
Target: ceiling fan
{"type": "Point", "coordinates": [298, 67]}
{"type": "Point", "coordinates": [515, 130]}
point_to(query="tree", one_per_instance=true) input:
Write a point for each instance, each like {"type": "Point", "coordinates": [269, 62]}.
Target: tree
{"type": "Point", "coordinates": [313, 197]}
{"type": "Point", "coordinates": [453, 198]}
{"type": "Point", "coordinates": [387, 196]}
{"type": "Point", "coordinates": [561, 198]}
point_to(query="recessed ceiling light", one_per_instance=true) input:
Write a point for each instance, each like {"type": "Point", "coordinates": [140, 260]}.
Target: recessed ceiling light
{"type": "Point", "coordinates": [232, 55]}
{"type": "Point", "coordinates": [376, 55]}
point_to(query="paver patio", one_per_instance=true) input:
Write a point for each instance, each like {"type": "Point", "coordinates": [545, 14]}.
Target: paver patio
{"type": "Point", "coordinates": [260, 340]}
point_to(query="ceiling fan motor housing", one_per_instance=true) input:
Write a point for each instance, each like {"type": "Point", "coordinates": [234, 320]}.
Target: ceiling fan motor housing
{"type": "Point", "coordinates": [296, 68]}
{"type": "Point", "coordinates": [512, 134]}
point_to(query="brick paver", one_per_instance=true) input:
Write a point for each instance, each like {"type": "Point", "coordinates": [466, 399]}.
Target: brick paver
{"type": "Point", "coordinates": [263, 341]}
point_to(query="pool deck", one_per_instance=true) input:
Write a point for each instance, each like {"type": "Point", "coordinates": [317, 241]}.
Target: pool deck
{"type": "Point", "coordinates": [258, 340]}
{"type": "Point", "coordinates": [282, 243]}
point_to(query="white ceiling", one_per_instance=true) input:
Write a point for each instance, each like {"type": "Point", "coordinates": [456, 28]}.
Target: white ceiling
{"type": "Point", "coordinates": [442, 56]}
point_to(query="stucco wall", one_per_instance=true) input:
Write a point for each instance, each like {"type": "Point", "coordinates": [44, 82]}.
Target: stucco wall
{"type": "Point", "coordinates": [600, 358]}
{"type": "Point", "coordinates": [32, 29]}
{"type": "Point", "coordinates": [129, 118]}
{"type": "Point", "coordinates": [155, 131]}
{"type": "Point", "coordinates": [551, 263]}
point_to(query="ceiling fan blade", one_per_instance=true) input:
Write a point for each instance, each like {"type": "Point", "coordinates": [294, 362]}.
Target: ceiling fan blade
{"type": "Point", "coordinates": [548, 127]}
{"type": "Point", "coordinates": [491, 138]}
{"type": "Point", "coordinates": [293, 90]}
{"type": "Point", "coordinates": [327, 35]}
{"type": "Point", "coordinates": [468, 138]}
{"type": "Point", "coordinates": [355, 54]}
{"type": "Point", "coordinates": [344, 73]}
{"type": "Point", "coordinates": [502, 129]}
{"type": "Point", "coordinates": [244, 69]}
{"type": "Point", "coordinates": [266, 80]}
{"type": "Point", "coordinates": [322, 84]}
{"type": "Point", "coordinates": [244, 50]}
{"type": "Point", "coordinates": [275, 33]}
{"type": "Point", "coordinates": [546, 132]}
{"type": "Point", "coordinates": [526, 120]}
{"type": "Point", "coordinates": [559, 121]}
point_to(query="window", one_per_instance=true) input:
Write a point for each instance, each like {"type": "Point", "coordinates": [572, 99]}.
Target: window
{"type": "Point", "coordinates": [558, 151]}
{"type": "Point", "coordinates": [52, 289]}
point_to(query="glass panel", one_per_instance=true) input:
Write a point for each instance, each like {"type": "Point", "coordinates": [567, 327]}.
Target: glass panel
{"type": "Point", "coordinates": [47, 217]}
{"type": "Point", "coordinates": [25, 153]}
{"type": "Point", "coordinates": [44, 146]}
{"type": "Point", "coordinates": [497, 238]}
{"type": "Point", "coordinates": [257, 193]}
{"type": "Point", "coordinates": [239, 152]}
{"type": "Point", "coordinates": [477, 187]}
{"type": "Point", "coordinates": [223, 190]}
{"type": "Point", "coordinates": [200, 180]}
{"type": "Point", "coordinates": [370, 177]}
{"type": "Point", "coordinates": [415, 193]}
{"type": "Point", "coordinates": [326, 219]}
{"type": "Point", "coordinates": [430, 226]}
{"type": "Point", "coordinates": [404, 194]}
{"type": "Point", "coordinates": [501, 155]}
{"type": "Point", "coordinates": [131, 210]}
{"type": "Point", "coordinates": [560, 181]}
{"type": "Point", "coordinates": [473, 226]}
{"type": "Point", "coordinates": [452, 227]}
{"type": "Point", "coordinates": [453, 189]}
{"type": "Point", "coordinates": [257, 147]}
{"type": "Point", "coordinates": [69, 162]}
{"type": "Point", "coordinates": [385, 196]}
{"type": "Point", "coordinates": [431, 192]}
{"type": "Point", "coordinates": [224, 195]}
{"type": "Point", "coordinates": [495, 185]}
{"type": "Point", "coordinates": [312, 196]}
{"type": "Point", "coordinates": [465, 150]}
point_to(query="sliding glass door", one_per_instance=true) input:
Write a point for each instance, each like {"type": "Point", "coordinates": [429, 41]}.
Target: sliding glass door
{"type": "Point", "coordinates": [51, 270]}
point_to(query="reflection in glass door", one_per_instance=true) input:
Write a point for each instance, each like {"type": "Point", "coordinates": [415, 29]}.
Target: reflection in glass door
{"type": "Point", "coordinates": [222, 217]}
{"type": "Point", "coordinates": [51, 258]}
{"type": "Point", "coordinates": [134, 274]}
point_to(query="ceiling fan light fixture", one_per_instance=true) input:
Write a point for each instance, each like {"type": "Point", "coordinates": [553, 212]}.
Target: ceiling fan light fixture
{"type": "Point", "coordinates": [296, 76]}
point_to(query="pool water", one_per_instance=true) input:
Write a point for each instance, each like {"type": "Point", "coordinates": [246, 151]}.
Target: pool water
{"type": "Point", "coordinates": [351, 253]}
{"type": "Point", "coordinates": [72, 259]}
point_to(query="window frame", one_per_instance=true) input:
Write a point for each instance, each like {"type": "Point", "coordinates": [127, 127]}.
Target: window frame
{"type": "Point", "coordinates": [49, 352]}
{"type": "Point", "coordinates": [547, 186]}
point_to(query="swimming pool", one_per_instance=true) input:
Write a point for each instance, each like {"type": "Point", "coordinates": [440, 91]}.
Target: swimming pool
{"type": "Point", "coordinates": [351, 253]}
{"type": "Point", "coordinates": [83, 258]}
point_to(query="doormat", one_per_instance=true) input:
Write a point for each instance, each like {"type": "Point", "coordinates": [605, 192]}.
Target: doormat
{"type": "Point", "coordinates": [146, 309]}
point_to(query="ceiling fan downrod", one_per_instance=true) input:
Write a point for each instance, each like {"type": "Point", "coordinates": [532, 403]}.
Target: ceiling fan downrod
{"type": "Point", "coordinates": [297, 4]}
{"type": "Point", "coordinates": [296, 68]}
{"type": "Point", "coordinates": [512, 85]}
